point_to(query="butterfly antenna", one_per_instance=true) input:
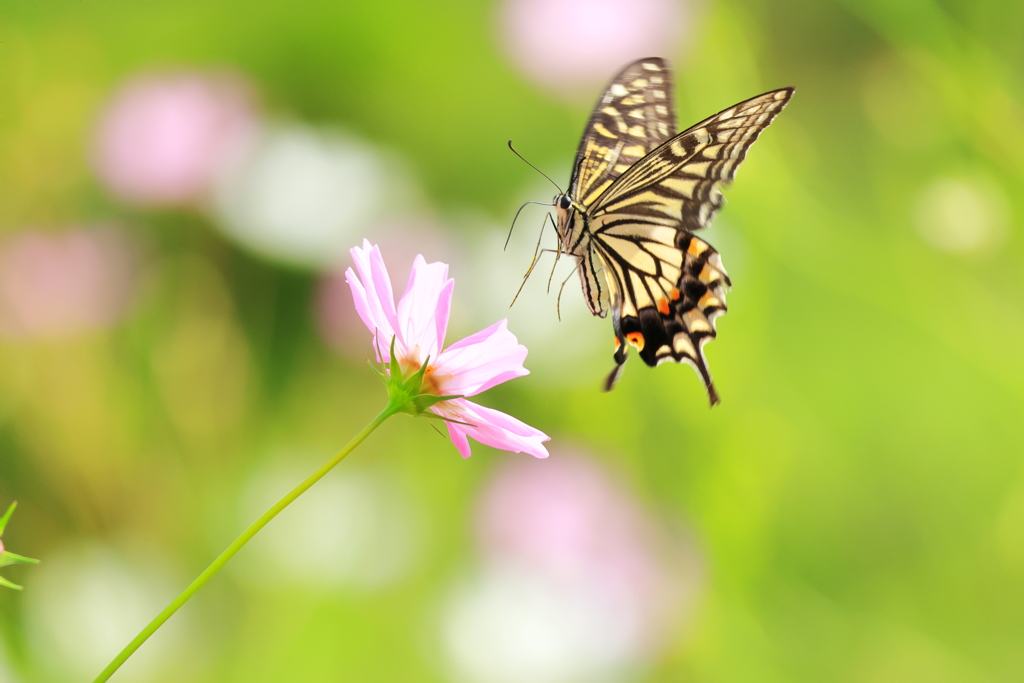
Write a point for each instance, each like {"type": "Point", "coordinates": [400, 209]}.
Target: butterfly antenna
{"type": "Point", "coordinates": [534, 167]}
{"type": "Point", "coordinates": [525, 204]}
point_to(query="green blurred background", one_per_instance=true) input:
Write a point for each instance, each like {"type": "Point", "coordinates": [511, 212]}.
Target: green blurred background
{"type": "Point", "coordinates": [853, 511]}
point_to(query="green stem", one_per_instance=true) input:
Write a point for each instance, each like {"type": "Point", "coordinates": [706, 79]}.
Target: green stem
{"type": "Point", "coordinates": [390, 410]}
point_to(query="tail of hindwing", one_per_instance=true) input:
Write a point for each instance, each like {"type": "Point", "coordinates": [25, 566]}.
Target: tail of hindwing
{"type": "Point", "coordinates": [678, 331]}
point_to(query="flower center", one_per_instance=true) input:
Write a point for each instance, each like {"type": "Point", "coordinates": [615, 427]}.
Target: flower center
{"type": "Point", "coordinates": [431, 381]}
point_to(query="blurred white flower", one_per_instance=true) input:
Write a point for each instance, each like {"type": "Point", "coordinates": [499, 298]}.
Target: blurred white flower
{"type": "Point", "coordinates": [61, 284]}
{"type": "Point", "coordinates": [356, 529]}
{"type": "Point", "coordinates": [578, 583]}
{"type": "Point", "coordinates": [568, 46]}
{"type": "Point", "coordinates": [962, 214]}
{"type": "Point", "coordinates": [512, 624]}
{"type": "Point", "coordinates": [87, 603]}
{"type": "Point", "coordinates": [304, 196]}
{"type": "Point", "coordinates": [163, 138]}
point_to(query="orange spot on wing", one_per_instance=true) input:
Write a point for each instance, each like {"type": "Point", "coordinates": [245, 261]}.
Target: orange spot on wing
{"type": "Point", "coordinates": [674, 294]}
{"type": "Point", "coordinates": [696, 247]}
{"type": "Point", "coordinates": [636, 339]}
{"type": "Point", "coordinates": [663, 306]}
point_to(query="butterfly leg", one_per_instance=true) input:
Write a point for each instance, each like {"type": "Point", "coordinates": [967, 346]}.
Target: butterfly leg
{"type": "Point", "coordinates": [527, 276]}
{"type": "Point", "coordinates": [558, 255]}
{"type": "Point", "coordinates": [536, 256]}
{"type": "Point", "coordinates": [558, 302]}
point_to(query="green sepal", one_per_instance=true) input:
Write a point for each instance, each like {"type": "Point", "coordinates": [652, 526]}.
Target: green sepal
{"type": "Point", "coordinates": [396, 370]}
{"type": "Point", "coordinates": [446, 419]}
{"type": "Point", "coordinates": [424, 401]}
{"type": "Point", "coordinates": [8, 584]}
{"type": "Point", "coordinates": [7, 558]}
{"type": "Point", "coordinates": [415, 381]}
{"type": "Point", "coordinates": [404, 393]}
{"type": "Point", "coordinates": [383, 376]}
{"type": "Point", "coordinates": [7, 516]}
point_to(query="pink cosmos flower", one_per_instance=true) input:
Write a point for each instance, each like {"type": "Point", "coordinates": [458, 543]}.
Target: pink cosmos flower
{"type": "Point", "coordinates": [466, 368]}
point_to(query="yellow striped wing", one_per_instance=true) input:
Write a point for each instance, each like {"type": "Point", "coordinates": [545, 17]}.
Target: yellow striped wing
{"type": "Point", "coordinates": [666, 286]}
{"type": "Point", "coordinates": [633, 117]}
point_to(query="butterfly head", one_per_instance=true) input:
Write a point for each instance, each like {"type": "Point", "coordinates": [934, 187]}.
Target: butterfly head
{"type": "Point", "coordinates": [568, 211]}
{"type": "Point", "coordinates": [564, 206]}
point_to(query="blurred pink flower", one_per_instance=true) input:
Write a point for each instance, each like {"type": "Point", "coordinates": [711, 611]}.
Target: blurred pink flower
{"type": "Point", "coordinates": [54, 285]}
{"type": "Point", "coordinates": [162, 139]}
{"type": "Point", "coordinates": [579, 582]}
{"type": "Point", "coordinates": [569, 45]}
{"type": "Point", "coordinates": [562, 516]}
{"type": "Point", "coordinates": [571, 520]}
{"type": "Point", "coordinates": [466, 368]}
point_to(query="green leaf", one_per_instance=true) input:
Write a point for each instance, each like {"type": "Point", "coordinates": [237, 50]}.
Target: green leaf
{"type": "Point", "coordinates": [8, 584]}
{"type": "Point", "coordinates": [7, 558]}
{"type": "Point", "coordinates": [7, 516]}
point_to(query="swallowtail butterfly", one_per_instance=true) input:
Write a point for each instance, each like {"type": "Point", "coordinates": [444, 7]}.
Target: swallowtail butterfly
{"type": "Point", "coordinates": [639, 192]}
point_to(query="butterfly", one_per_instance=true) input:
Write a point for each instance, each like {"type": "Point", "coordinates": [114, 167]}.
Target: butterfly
{"type": "Point", "coordinates": [638, 193]}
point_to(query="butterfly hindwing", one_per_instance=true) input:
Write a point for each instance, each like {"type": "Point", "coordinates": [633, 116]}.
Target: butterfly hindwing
{"type": "Point", "coordinates": [670, 298]}
{"type": "Point", "coordinates": [634, 116]}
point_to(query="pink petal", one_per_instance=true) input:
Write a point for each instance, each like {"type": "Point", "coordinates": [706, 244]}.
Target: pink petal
{"type": "Point", "coordinates": [373, 297]}
{"type": "Point", "coordinates": [424, 308]}
{"type": "Point", "coordinates": [363, 306]}
{"type": "Point", "coordinates": [490, 427]}
{"type": "Point", "coordinates": [481, 361]}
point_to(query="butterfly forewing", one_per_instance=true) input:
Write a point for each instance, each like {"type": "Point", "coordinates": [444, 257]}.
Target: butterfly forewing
{"type": "Point", "coordinates": [679, 183]}
{"type": "Point", "coordinates": [634, 116]}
